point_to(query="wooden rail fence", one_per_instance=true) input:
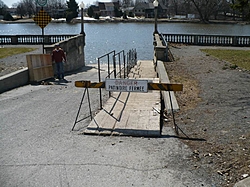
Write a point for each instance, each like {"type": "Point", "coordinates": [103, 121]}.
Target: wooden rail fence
{"type": "Point", "coordinates": [216, 40]}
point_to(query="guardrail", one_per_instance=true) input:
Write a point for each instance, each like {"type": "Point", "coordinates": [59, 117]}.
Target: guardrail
{"type": "Point", "coordinates": [217, 40]}
{"type": "Point", "coordinates": [32, 39]}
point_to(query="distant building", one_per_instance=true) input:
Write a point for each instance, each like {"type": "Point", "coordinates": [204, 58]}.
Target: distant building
{"type": "Point", "coordinates": [144, 10]}
{"type": "Point", "coordinates": [95, 9]}
{"type": "Point", "coordinates": [58, 13]}
{"type": "Point", "coordinates": [12, 11]}
{"type": "Point", "coordinates": [106, 9]}
{"type": "Point", "coordinates": [147, 10]}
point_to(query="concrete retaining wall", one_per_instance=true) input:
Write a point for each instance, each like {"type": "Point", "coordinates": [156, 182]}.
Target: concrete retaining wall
{"type": "Point", "coordinates": [161, 56]}
{"type": "Point", "coordinates": [74, 49]}
{"type": "Point", "coordinates": [14, 80]}
{"type": "Point", "coordinates": [160, 49]}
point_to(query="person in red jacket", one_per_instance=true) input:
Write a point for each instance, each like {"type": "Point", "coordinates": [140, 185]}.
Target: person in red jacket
{"type": "Point", "coordinates": [59, 57]}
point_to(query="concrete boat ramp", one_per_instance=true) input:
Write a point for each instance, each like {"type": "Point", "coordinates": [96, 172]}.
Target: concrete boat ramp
{"type": "Point", "coordinates": [130, 113]}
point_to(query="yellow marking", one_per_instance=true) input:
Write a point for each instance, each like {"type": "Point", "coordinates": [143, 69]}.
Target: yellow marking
{"type": "Point", "coordinates": [42, 19]}
{"type": "Point", "coordinates": [166, 87]}
{"type": "Point", "coordinates": [151, 86]}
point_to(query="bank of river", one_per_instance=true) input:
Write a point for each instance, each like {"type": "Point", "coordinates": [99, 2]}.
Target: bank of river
{"type": "Point", "coordinates": [130, 20]}
{"type": "Point", "coordinates": [102, 38]}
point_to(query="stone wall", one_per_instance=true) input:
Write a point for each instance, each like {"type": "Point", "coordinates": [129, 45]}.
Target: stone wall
{"type": "Point", "coordinates": [160, 50]}
{"type": "Point", "coordinates": [74, 50]}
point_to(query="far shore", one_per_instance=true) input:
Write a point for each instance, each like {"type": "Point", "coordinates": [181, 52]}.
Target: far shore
{"type": "Point", "coordinates": [129, 20]}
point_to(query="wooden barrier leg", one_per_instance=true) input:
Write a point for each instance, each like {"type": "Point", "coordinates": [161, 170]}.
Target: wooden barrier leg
{"type": "Point", "coordinates": [172, 111]}
{"type": "Point", "coordinates": [176, 128]}
{"type": "Point", "coordinates": [79, 109]}
{"type": "Point", "coordinates": [90, 113]}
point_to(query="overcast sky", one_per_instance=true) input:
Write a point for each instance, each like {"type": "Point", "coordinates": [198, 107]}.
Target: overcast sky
{"type": "Point", "coordinates": [86, 2]}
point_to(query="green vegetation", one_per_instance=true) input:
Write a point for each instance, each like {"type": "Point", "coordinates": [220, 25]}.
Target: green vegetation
{"type": "Point", "coordinates": [9, 51]}
{"type": "Point", "coordinates": [240, 58]}
{"type": "Point", "coordinates": [243, 6]}
{"type": "Point", "coordinates": [72, 11]}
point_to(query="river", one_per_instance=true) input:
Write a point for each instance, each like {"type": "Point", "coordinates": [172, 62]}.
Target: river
{"type": "Point", "coordinates": [102, 38]}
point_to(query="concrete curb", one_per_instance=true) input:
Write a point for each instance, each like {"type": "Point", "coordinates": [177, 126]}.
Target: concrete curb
{"type": "Point", "coordinates": [243, 183]}
{"type": "Point", "coordinates": [14, 80]}
{"type": "Point", "coordinates": [164, 79]}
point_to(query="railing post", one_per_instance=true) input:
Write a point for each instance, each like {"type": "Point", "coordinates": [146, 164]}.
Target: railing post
{"type": "Point", "coordinates": [124, 64]}
{"type": "Point", "coordinates": [14, 40]}
{"type": "Point", "coordinates": [235, 40]}
{"type": "Point", "coordinates": [195, 40]}
{"type": "Point", "coordinates": [114, 65]}
{"type": "Point", "coordinates": [46, 40]}
{"type": "Point", "coordinates": [120, 70]}
{"type": "Point", "coordinates": [99, 76]}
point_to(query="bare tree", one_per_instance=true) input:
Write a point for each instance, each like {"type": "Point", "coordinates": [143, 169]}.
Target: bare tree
{"type": "Point", "coordinates": [20, 10]}
{"type": "Point", "coordinates": [243, 7]}
{"type": "Point", "coordinates": [57, 4]}
{"type": "Point", "coordinates": [127, 3]}
{"type": "Point", "coordinates": [26, 8]}
{"type": "Point", "coordinates": [2, 4]}
{"type": "Point", "coordinates": [205, 8]}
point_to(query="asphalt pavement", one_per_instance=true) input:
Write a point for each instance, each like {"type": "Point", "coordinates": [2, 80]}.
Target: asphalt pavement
{"type": "Point", "coordinates": [38, 147]}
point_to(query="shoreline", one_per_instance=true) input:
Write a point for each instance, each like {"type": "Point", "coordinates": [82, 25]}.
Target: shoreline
{"type": "Point", "coordinates": [131, 20]}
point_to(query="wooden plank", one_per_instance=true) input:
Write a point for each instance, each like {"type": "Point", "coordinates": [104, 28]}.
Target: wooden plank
{"type": "Point", "coordinates": [108, 116]}
{"type": "Point", "coordinates": [131, 123]}
{"type": "Point", "coordinates": [119, 103]}
{"type": "Point", "coordinates": [40, 66]}
{"type": "Point", "coordinates": [133, 115]}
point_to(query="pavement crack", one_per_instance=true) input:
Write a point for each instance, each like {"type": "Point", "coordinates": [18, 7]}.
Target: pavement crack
{"type": "Point", "coordinates": [84, 164]}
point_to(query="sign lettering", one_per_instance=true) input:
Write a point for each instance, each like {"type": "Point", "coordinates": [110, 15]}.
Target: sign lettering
{"type": "Point", "coordinates": [126, 85]}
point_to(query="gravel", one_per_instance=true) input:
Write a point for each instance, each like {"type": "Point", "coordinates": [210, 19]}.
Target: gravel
{"type": "Point", "coordinates": [17, 62]}
{"type": "Point", "coordinates": [214, 112]}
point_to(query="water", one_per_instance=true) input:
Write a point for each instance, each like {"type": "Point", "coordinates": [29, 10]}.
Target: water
{"type": "Point", "coordinates": [102, 38]}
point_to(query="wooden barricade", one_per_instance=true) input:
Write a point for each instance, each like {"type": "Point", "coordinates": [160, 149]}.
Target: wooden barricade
{"type": "Point", "coordinates": [40, 67]}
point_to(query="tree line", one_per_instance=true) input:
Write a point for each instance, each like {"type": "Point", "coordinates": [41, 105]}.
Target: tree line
{"type": "Point", "coordinates": [206, 9]}
{"type": "Point", "coordinates": [30, 8]}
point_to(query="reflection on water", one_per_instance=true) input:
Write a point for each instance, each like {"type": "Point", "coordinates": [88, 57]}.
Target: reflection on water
{"type": "Point", "coordinates": [102, 38]}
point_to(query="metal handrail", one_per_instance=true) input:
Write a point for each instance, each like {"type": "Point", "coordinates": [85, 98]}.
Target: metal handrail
{"type": "Point", "coordinates": [131, 61]}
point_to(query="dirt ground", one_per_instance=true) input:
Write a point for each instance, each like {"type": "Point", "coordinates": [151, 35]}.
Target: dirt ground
{"type": "Point", "coordinates": [214, 112]}
{"type": "Point", "coordinates": [17, 62]}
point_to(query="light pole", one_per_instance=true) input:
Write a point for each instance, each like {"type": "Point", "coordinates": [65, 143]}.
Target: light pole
{"type": "Point", "coordinates": [155, 3]}
{"type": "Point", "coordinates": [82, 31]}
{"type": "Point", "coordinates": [82, 18]}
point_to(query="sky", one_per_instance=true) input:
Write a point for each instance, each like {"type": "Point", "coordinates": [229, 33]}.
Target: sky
{"type": "Point", "coordinates": [9, 3]}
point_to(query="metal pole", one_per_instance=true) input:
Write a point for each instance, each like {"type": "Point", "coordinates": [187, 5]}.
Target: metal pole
{"type": "Point", "coordinates": [156, 10]}
{"type": "Point", "coordinates": [114, 64]}
{"type": "Point", "coordinates": [99, 75]}
{"type": "Point", "coordinates": [124, 64]}
{"type": "Point", "coordinates": [120, 69]}
{"type": "Point", "coordinates": [82, 27]}
{"type": "Point", "coordinates": [82, 31]}
{"type": "Point", "coordinates": [43, 36]}
{"type": "Point", "coordinates": [109, 73]}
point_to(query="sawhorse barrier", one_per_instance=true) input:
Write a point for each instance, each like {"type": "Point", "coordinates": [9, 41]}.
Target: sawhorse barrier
{"type": "Point", "coordinates": [125, 85]}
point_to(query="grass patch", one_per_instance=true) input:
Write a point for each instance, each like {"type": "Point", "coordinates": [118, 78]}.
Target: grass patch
{"type": "Point", "coordinates": [9, 51]}
{"type": "Point", "coordinates": [240, 58]}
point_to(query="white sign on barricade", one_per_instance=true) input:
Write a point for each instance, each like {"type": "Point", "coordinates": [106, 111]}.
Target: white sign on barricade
{"type": "Point", "coordinates": [126, 85]}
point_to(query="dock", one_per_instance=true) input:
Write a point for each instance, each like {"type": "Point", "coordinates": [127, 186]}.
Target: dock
{"type": "Point", "coordinates": [130, 113]}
